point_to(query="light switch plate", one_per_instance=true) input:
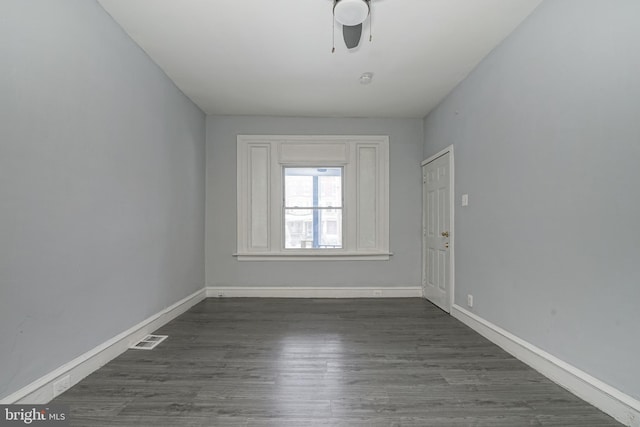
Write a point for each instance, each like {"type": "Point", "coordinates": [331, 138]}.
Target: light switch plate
{"type": "Point", "coordinates": [465, 200]}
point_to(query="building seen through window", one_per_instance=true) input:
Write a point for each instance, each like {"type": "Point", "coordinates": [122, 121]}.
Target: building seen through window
{"type": "Point", "coordinates": [313, 207]}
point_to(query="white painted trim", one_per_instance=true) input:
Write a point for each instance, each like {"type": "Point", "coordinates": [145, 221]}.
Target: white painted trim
{"type": "Point", "coordinates": [608, 399]}
{"type": "Point", "coordinates": [452, 222]}
{"type": "Point", "coordinates": [259, 199]}
{"type": "Point", "coordinates": [314, 292]}
{"type": "Point", "coordinates": [440, 153]}
{"type": "Point", "coordinates": [41, 390]}
{"type": "Point", "coordinates": [297, 256]}
{"type": "Point", "coordinates": [452, 227]}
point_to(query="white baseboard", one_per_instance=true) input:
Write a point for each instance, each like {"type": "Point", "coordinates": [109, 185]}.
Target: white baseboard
{"type": "Point", "coordinates": [314, 292]}
{"type": "Point", "coordinates": [41, 390]}
{"type": "Point", "coordinates": [619, 405]}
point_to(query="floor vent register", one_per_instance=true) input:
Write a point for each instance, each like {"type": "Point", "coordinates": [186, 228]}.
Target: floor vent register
{"type": "Point", "coordinates": [149, 342]}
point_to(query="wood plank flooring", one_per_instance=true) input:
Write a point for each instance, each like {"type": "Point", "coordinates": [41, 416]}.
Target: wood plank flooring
{"type": "Point", "coordinates": [320, 362]}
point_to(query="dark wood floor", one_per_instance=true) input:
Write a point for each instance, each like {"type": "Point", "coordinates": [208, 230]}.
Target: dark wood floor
{"type": "Point", "coordinates": [319, 362]}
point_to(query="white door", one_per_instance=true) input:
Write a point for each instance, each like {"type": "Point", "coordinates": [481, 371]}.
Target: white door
{"type": "Point", "coordinates": [436, 238]}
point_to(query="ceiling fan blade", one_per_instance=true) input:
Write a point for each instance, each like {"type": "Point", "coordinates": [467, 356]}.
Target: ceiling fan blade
{"type": "Point", "coordinates": [352, 35]}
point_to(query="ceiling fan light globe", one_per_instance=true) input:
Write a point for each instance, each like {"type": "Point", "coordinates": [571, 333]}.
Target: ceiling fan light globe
{"type": "Point", "coordinates": [351, 12]}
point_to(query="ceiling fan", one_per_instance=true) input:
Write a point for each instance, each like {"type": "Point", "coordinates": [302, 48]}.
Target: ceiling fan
{"type": "Point", "coordinates": [351, 14]}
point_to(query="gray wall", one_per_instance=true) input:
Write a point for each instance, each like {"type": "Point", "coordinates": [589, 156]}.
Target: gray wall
{"type": "Point", "coordinates": [546, 133]}
{"type": "Point", "coordinates": [101, 186]}
{"type": "Point", "coordinates": [405, 140]}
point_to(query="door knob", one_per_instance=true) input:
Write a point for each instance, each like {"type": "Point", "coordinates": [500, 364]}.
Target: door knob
{"type": "Point", "coordinates": [445, 234]}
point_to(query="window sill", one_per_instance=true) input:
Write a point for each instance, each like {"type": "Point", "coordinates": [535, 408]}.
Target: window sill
{"type": "Point", "coordinates": [305, 256]}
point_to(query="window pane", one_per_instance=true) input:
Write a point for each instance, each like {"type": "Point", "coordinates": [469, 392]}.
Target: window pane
{"type": "Point", "coordinates": [312, 187]}
{"type": "Point", "coordinates": [313, 228]}
{"type": "Point", "coordinates": [330, 191]}
{"type": "Point", "coordinates": [298, 191]}
{"type": "Point", "coordinates": [313, 208]}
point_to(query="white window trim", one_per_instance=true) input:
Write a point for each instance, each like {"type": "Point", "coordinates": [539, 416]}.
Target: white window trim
{"type": "Point", "coordinates": [260, 160]}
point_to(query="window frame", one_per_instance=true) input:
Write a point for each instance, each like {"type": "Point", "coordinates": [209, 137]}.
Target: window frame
{"type": "Point", "coordinates": [261, 160]}
{"type": "Point", "coordinates": [321, 208]}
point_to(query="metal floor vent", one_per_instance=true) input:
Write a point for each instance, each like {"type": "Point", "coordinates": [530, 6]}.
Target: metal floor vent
{"type": "Point", "coordinates": [149, 342]}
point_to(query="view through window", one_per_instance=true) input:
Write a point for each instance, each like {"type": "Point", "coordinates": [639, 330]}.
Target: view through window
{"type": "Point", "coordinates": [313, 207]}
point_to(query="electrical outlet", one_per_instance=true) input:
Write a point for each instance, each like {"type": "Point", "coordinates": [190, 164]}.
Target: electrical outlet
{"type": "Point", "coordinates": [61, 385]}
{"type": "Point", "coordinates": [470, 300]}
{"type": "Point", "coordinates": [377, 293]}
{"type": "Point", "coordinates": [220, 294]}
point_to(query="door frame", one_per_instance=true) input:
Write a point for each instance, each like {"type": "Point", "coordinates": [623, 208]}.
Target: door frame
{"type": "Point", "coordinates": [452, 203]}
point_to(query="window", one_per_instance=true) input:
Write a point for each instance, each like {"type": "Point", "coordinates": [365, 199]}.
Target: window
{"type": "Point", "coordinates": [313, 197]}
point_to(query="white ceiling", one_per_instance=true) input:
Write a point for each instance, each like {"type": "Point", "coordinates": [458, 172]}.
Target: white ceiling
{"type": "Point", "coordinates": [273, 57]}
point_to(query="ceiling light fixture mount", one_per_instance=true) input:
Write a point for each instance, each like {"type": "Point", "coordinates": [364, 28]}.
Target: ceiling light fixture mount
{"type": "Point", "coordinates": [351, 12]}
